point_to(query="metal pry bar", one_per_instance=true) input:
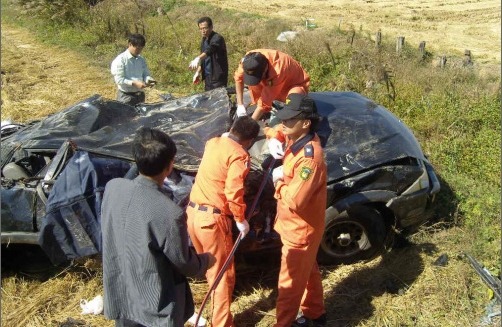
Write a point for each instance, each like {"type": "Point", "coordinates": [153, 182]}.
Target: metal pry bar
{"type": "Point", "coordinates": [492, 282]}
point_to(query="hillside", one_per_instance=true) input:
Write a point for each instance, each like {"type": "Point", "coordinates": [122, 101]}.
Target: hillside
{"type": "Point", "coordinates": [447, 26]}
{"type": "Point", "coordinates": [405, 287]}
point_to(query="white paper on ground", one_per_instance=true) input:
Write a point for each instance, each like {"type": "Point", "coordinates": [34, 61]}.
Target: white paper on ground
{"type": "Point", "coordinates": [94, 306]}
{"type": "Point", "coordinates": [201, 323]}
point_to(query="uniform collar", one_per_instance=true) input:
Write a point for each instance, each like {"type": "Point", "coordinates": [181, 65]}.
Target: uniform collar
{"type": "Point", "coordinates": [233, 137]}
{"type": "Point", "coordinates": [299, 144]}
{"type": "Point", "coordinates": [235, 140]}
{"type": "Point", "coordinates": [271, 74]}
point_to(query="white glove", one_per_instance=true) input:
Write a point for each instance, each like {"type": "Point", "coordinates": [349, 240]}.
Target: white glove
{"type": "Point", "coordinates": [243, 227]}
{"type": "Point", "coordinates": [275, 148]}
{"type": "Point", "coordinates": [194, 63]}
{"type": "Point", "coordinates": [195, 79]}
{"type": "Point", "coordinates": [241, 110]}
{"type": "Point", "coordinates": [277, 174]}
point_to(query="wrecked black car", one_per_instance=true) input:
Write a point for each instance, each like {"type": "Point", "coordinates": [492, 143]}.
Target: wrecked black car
{"type": "Point", "coordinates": [54, 172]}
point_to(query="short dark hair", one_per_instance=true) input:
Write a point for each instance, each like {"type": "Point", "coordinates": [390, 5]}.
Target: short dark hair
{"type": "Point", "coordinates": [137, 40]}
{"type": "Point", "coordinates": [312, 115]}
{"type": "Point", "coordinates": [205, 20]}
{"type": "Point", "coordinates": [153, 151]}
{"type": "Point", "coordinates": [246, 128]}
{"type": "Point", "coordinates": [314, 122]}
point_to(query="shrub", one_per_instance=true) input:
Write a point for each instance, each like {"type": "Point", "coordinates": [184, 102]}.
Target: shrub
{"type": "Point", "coordinates": [67, 12]}
{"type": "Point", "coordinates": [454, 111]}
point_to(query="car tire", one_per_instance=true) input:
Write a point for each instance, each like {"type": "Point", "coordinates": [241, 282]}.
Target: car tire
{"type": "Point", "coordinates": [355, 234]}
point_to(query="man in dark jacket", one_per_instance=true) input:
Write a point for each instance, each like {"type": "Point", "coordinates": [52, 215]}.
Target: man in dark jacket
{"type": "Point", "coordinates": [212, 63]}
{"type": "Point", "coordinates": [145, 243]}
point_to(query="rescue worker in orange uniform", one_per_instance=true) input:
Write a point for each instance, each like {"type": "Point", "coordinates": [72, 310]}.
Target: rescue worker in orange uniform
{"type": "Point", "coordinates": [270, 75]}
{"type": "Point", "coordinates": [216, 196]}
{"type": "Point", "coordinates": [300, 190]}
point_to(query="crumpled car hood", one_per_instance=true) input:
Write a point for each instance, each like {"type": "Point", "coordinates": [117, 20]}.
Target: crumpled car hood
{"type": "Point", "coordinates": [108, 126]}
{"type": "Point", "coordinates": [358, 134]}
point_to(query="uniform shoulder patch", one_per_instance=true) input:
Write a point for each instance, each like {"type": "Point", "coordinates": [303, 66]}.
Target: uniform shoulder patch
{"type": "Point", "coordinates": [308, 151]}
{"type": "Point", "coordinates": [305, 173]}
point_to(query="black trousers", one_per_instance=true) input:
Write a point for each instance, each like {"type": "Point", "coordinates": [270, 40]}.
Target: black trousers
{"type": "Point", "coordinates": [131, 98]}
{"type": "Point", "coordinates": [211, 85]}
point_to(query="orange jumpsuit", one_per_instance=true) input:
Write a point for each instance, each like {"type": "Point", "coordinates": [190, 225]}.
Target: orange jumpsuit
{"type": "Point", "coordinates": [217, 194]}
{"type": "Point", "coordinates": [301, 204]}
{"type": "Point", "coordinates": [285, 76]}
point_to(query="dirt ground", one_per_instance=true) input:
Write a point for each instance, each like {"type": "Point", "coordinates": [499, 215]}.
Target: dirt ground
{"type": "Point", "coordinates": [38, 80]}
{"type": "Point", "coordinates": [447, 26]}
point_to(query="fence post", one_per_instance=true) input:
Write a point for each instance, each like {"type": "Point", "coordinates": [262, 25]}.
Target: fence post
{"type": "Point", "coordinates": [442, 61]}
{"type": "Point", "coordinates": [467, 58]}
{"type": "Point", "coordinates": [399, 44]}
{"type": "Point", "coordinates": [421, 48]}
{"type": "Point", "coordinates": [378, 38]}
{"type": "Point", "coordinates": [353, 34]}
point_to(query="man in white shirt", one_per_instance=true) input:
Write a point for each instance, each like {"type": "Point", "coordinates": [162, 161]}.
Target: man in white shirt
{"type": "Point", "coordinates": [131, 73]}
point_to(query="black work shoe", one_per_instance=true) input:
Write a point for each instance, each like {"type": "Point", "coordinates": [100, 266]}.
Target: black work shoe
{"type": "Point", "coordinates": [303, 321]}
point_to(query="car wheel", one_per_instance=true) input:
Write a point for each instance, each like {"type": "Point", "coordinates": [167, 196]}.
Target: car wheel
{"type": "Point", "coordinates": [356, 234]}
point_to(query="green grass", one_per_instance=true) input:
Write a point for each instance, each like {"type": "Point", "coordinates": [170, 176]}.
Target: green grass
{"type": "Point", "coordinates": [454, 112]}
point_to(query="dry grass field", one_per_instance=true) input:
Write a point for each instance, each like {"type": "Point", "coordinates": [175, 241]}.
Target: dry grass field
{"type": "Point", "coordinates": [447, 26]}
{"type": "Point", "coordinates": [43, 80]}
{"type": "Point", "coordinates": [42, 84]}
{"type": "Point", "coordinates": [401, 288]}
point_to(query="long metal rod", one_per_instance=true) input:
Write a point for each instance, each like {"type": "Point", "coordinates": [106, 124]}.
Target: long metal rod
{"type": "Point", "coordinates": [236, 244]}
{"type": "Point", "coordinates": [492, 282]}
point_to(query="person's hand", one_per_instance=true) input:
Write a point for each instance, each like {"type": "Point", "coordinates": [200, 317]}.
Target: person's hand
{"type": "Point", "coordinates": [211, 260]}
{"type": "Point", "coordinates": [241, 110]}
{"type": "Point", "coordinates": [194, 63]}
{"type": "Point", "coordinates": [275, 148]}
{"type": "Point", "coordinates": [195, 79]}
{"type": "Point", "coordinates": [243, 227]}
{"type": "Point", "coordinates": [277, 174]}
{"type": "Point", "coordinates": [139, 84]}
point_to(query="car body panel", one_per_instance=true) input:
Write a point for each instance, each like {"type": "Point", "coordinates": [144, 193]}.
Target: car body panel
{"type": "Point", "coordinates": [107, 126]}
{"type": "Point", "coordinates": [359, 134]}
{"type": "Point", "coordinates": [372, 159]}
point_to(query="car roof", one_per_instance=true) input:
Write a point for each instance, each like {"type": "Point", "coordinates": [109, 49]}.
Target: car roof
{"type": "Point", "coordinates": [107, 127]}
{"type": "Point", "coordinates": [357, 133]}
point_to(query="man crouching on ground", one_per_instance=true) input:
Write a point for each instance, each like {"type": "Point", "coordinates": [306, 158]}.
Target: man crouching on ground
{"type": "Point", "coordinates": [145, 243]}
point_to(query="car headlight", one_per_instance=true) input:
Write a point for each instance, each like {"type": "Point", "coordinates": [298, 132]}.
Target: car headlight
{"type": "Point", "coordinates": [421, 183]}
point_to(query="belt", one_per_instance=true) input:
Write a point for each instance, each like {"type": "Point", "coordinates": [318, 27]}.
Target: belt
{"type": "Point", "coordinates": [204, 208]}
